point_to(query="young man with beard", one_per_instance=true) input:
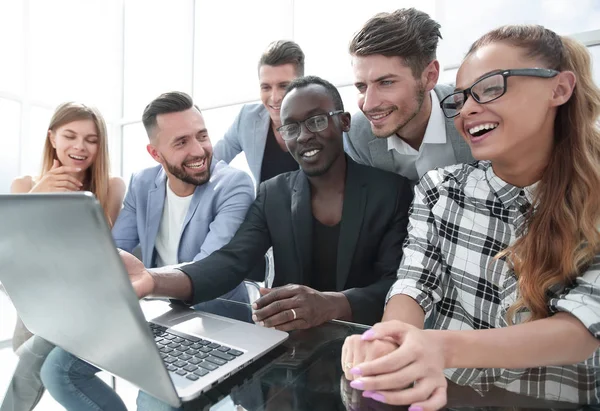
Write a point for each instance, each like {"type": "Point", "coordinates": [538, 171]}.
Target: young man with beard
{"type": "Point", "coordinates": [401, 127]}
{"type": "Point", "coordinates": [179, 211]}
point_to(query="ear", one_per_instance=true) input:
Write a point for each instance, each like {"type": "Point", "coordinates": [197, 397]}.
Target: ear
{"type": "Point", "coordinates": [52, 138]}
{"type": "Point", "coordinates": [563, 90]}
{"type": "Point", "coordinates": [345, 119]}
{"type": "Point", "coordinates": [154, 153]}
{"type": "Point", "coordinates": [431, 75]}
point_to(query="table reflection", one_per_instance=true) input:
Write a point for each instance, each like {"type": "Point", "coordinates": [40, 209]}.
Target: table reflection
{"type": "Point", "coordinates": [305, 374]}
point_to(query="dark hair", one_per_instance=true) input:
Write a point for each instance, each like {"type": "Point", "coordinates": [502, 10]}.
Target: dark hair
{"type": "Point", "coordinates": [407, 33]}
{"type": "Point", "coordinates": [333, 92]}
{"type": "Point", "coordinates": [172, 102]}
{"type": "Point", "coordinates": [282, 52]}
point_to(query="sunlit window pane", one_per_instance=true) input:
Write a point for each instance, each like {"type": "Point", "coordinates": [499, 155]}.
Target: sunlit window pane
{"type": "Point", "coordinates": [448, 76]}
{"type": "Point", "coordinates": [230, 37]}
{"type": "Point", "coordinates": [10, 117]}
{"type": "Point", "coordinates": [158, 51]}
{"type": "Point", "coordinates": [218, 122]}
{"type": "Point", "coordinates": [34, 137]}
{"type": "Point", "coordinates": [464, 21]}
{"type": "Point", "coordinates": [595, 52]}
{"type": "Point", "coordinates": [74, 52]}
{"type": "Point", "coordinates": [135, 155]}
{"type": "Point", "coordinates": [11, 46]}
{"type": "Point", "coordinates": [327, 55]}
{"type": "Point", "coordinates": [349, 96]}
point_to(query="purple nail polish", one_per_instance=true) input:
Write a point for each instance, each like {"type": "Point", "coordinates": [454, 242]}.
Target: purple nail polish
{"type": "Point", "coordinates": [415, 408]}
{"type": "Point", "coordinates": [367, 335]}
{"type": "Point", "coordinates": [367, 394]}
{"type": "Point", "coordinates": [358, 384]}
{"type": "Point", "coordinates": [355, 371]}
{"type": "Point", "coordinates": [378, 397]}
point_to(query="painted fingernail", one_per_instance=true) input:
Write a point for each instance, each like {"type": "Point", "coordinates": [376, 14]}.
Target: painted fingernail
{"type": "Point", "coordinates": [355, 371]}
{"type": "Point", "coordinates": [367, 394]}
{"type": "Point", "coordinates": [367, 335]}
{"type": "Point", "coordinates": [415, 408]}
{"type": "Point", "coordinates": [377, 397]}
{"type": "Point", "coordinates": [254, 318]}
{"type": "Point", "coordinates": [358, 384]}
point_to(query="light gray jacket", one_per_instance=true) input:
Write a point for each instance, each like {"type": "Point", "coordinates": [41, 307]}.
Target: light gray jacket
{"type": "Point", "coordinates": [364, 148]}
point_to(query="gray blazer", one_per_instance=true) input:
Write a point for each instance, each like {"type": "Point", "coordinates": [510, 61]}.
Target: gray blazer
{"type": "Point", "coordinates": [364, 148]}
{"type": "Point", "coordinates": [248, 133]}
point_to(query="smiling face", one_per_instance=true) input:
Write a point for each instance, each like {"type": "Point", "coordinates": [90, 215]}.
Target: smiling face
{"type": "Point", "coordinates": [76, 143]}
{"type": "Point", "coordinates": [273, 82]}
{"type": "Point", "coordinates": [518, 124]}
{"type": "Point", "coordinates": [180, 142]}
{"type": "Point", "coordinates": [314, 152]}
{"type": "Point", "coordinates": [388, 93]}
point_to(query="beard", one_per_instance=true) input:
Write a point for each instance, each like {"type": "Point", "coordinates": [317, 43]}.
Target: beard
{"type": "Point", "coordinates": [180, 172]}
{"type": "Point", "coordinates": [406, 116]}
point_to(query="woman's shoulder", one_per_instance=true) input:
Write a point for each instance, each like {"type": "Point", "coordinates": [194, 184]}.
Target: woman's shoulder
{"type": "Point", "coordinates": [22, 184]}
{"type": "Point", "coordinates": [116, 187]}
{"type": "Point", "coordinates": [116, 182]}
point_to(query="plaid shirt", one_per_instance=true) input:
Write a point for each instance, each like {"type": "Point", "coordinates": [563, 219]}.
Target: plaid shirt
{"type": "Point", "coordinates": [461, 217]}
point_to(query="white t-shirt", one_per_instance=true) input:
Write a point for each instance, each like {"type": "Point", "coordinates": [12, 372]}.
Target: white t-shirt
{"type": "Point", "coordinates": [169, 230]}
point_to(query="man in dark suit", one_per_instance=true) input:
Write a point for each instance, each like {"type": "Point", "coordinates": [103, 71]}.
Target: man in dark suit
{"type": "Point", "coordinates": [336, 228]}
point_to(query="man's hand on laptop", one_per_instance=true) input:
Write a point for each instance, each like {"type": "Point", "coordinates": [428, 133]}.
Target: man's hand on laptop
{"type": "Point", "coordinates": [142, 281]}
{"type": "Point", "coordinates": [293, 307]}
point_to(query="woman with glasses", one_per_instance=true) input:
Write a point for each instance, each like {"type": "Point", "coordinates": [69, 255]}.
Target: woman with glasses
{"type": "Point", "coordinates": [503, 255]}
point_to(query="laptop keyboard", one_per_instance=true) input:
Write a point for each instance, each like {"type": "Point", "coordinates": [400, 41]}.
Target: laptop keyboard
{"type": "Point", "coordinates": [189, 356]}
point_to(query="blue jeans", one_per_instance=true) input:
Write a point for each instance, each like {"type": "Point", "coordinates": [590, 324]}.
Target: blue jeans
{"type": "Point", "coordinates": [74, 385]}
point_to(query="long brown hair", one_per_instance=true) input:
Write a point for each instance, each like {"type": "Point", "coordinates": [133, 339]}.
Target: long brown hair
{"type": "Point", "coordinates": [97, 176]}
{"type": "Point", "coordinates": [563, 224]}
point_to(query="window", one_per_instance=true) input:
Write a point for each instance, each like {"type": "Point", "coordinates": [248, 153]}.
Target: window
{"type": "Point", "coordinates": [337, 21]}
{"type": "Point", "coordinates": [10, 113]}
{"type": "Point", "coordinates": [74, 52]}
{"type": "Point", "coordinates": [135, 155]}
{"type": "Point", "coordinates": [158, 51]}
{"type": "Point", "coordinates": [595, 52]}
{"type": "Point", "coordinates": [11, 46]}
{"type": "Point", "coordinates": [33, 139]}
{"type": "Point", "coordinates": [464, 21]}
{"type": "Point", "coordinates": [230, 38]}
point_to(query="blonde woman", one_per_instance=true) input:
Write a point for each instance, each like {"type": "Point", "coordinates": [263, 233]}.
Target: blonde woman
{"type": "Point", "coordinates": [503, 255]}
{"type": "Point", "coordinates": [75, 158]}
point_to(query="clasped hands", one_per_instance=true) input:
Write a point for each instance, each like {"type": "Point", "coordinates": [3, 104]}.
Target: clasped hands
{"type": "Point", "coordinates": [396, 363]}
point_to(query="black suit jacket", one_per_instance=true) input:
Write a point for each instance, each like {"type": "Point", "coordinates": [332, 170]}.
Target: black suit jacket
{"type": "Point", "coordinates": [372, 231]}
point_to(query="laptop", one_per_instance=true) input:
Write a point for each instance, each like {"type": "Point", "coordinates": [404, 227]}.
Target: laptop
{"type": "Point", "coordinates": [60, 267]}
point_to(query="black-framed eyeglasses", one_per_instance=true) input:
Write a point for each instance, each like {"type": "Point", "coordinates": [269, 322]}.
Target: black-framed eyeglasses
{"type": "Point", "coordinates": [314, 124]}
{"type": "Point", "coordinates": [489, 88]}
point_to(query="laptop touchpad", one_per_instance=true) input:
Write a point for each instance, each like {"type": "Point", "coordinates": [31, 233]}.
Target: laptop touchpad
{"type": "Point", "coordinates": [202, 325]}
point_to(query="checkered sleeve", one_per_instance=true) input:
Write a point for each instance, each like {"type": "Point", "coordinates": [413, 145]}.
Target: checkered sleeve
{"type": "Point", "coordinates": [419, 271]}
{"type": "Point", "coordinates": [583, 299]}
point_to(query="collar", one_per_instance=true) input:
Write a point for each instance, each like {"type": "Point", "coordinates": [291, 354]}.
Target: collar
{"type": "Point", "coordinates": [507, 193]}
{"type": "Point", "coordinates": [435, 133]}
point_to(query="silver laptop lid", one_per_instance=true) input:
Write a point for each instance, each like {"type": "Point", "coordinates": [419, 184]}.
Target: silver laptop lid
{"type": "Point", "coordinates": [56, 253]}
